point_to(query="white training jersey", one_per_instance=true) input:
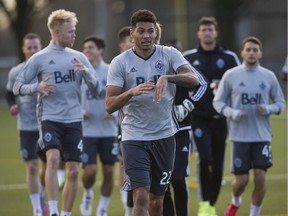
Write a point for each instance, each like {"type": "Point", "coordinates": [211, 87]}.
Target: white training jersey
{"type": "Point", "coordinates": [144, 119]}
{"type": "Point", "coordinates": [242, 88]}
{"type": "Point", "coordinates": [96, 125]}
{"type": "Point", "coordinates": [55, 63]}
{"type": "Point", "coordinates": [26, 118]}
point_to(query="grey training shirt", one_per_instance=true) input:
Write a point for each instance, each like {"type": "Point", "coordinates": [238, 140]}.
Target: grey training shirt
{"type": "Point", "coordinates": [55, 62]}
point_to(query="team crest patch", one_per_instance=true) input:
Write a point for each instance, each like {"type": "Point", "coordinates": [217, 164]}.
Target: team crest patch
{"type": "Point", "coordinates": [198, 132]}
{"type": "Point", "coordinates": [262, 86]}
{"type": "Point", "coordinates": [238, 162]}
{"type": "Point", "coordinates": [24, 153]}
{"type": "Point", "coordinates": [159, 66]}
{"type": "Point", "coordinates": [84, 158]}
{"type": "Point", "coordinates": [47, 137]}
{"type": "Point", "coordinates": [220, 63]}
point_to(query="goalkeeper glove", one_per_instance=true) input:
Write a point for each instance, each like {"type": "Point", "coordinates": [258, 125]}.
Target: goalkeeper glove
{"type": "Point", "coordinates": [183, 109]}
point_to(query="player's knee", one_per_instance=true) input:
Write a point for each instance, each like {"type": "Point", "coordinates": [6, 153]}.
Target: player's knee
{"type": "Point", "coordinates": [72, 174]}
{"type": "Point", "coordinates": [141, 196]}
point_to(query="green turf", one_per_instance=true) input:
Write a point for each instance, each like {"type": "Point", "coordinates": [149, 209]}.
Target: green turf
{"type": "Point", "coordinates": [14, 198]}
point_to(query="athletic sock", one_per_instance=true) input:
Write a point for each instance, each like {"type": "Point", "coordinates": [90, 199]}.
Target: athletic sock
{"type": "Point", "coordinates": [103, 203]}
{"type": "Point", "coordinates": [64, 213]}
{"type": "Point", "coordinates": [53, 208]}
{"type": "Point", "coordinates": [35, 200]}
{"type": "Point", "coordinates": [236, 201]}
{"type": "Point", "coordinates": [255, 210]}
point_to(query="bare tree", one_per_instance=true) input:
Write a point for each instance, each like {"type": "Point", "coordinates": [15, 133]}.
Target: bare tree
{"type": "Point", "coordinates": [21, 16]}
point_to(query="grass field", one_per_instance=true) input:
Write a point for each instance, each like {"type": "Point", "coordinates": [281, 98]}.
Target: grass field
{"type": "Point", "coordinates": [14, 200]}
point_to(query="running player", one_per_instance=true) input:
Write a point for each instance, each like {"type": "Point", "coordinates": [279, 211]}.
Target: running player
{"type": "Point", "coordinates": [247, 96]}
{"type": "Point", "coordinates": [25, 109]}
{"type": "Point", "coordinates": [209, 128]}
{"type": "Point", "coordinates": [60, 71]}
{"type": "Point", "coordinates": [99, 133]}
{"type": "Point", "coordinates": [141, 83]}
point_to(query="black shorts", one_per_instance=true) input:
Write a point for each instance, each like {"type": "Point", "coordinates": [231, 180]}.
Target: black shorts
{"type": "Point", "coordinates": [67, 137]}
{"type": "Point", "coordinates": [182, 155]}
{"type": "Point", "coordinates": [28, 144]}
{"type": "Point", "coordinates": [107, 148]}
{"type": "Point", "coordinates": [148, 163]}
{"type": "Point", "coordinates": [247, 155]}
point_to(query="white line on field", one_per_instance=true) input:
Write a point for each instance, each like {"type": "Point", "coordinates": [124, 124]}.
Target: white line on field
{"type": "Point", "coordinates": [98, 183]}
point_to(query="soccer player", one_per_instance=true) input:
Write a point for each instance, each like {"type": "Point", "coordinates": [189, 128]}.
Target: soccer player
{"type": "Point", "coordinates": [60, 71]}
{"type": "Point", "coordinates": [100, 131]}
{"type": "Point", "coordinates": [142, 83]}
{"type": "Point", "coordinates": [247, 96]}
{"type": "Point", "coordinates": [209, 128]}
{"type": "Point", "coordinates": [25, 109]}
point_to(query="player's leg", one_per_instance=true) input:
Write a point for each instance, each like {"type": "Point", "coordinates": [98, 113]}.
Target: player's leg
{"type": "Point", "coordinates": [28, 143]}
{"type": "Point", "coordinates": [240, 165]}
{"type": "Point", "coordinates": [181, 171]}
{"type": "Point", "coordinates": [108, 151]}
{"type": "Point", "coordinates": [262, 160]}
{"type": "Point", "coordinates": [162, 162]}
{"type": "Point", "coordinates": [72, 147]}
{"type": "Point", "coordinates": [202, 137]}
{"type": "Point", "coordinates": [89, 160]}
{"type": "Point", "coordinates": [44, 204]}
{"type": "Point", "coordinates": [219, 136]}
{"type": "Point", "coordinates": [137, 167]}
{"type": "Point", "coordinates": [168, 206]}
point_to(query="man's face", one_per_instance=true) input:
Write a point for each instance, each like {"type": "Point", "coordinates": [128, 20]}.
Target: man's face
{"type": "Point", "coordinates": [251, 53]}
{"type": "Point", "coordinates": [91, 51]}
{"type": "Point", "coordinates": [31, 46]}
{"type": "Point", "coordinates": [127, 44]}
{"type": "Point", "coordinates": [144, 35]}
{"type": "Point", "coordinates": [207, 34]}
{"type": "Point", "coordinates": [66, 34]}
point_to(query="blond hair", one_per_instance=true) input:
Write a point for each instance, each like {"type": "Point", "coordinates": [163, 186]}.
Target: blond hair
{"type": "Point", "coordinates": [59, 17]}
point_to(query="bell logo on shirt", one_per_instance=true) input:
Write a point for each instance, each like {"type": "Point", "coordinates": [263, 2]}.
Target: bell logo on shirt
{"type": "Point", "coordinates": [65, 78]}
{"type": "Point", "coordinates": [253, 100]}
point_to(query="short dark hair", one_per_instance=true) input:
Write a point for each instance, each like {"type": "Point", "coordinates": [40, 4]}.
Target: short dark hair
{"type": "Point", "coordinates": [123, 33]}
{"type": "Point", "coordinates": [208, 20]}
{"type": "Point", "coordinates": [30, 36]}
{"type": "Point", "coordinates": [253, 40]}
{"type": "Point", "coordinates": [143, 15]}
{"type": "Point", "coordinates": [99, 42]}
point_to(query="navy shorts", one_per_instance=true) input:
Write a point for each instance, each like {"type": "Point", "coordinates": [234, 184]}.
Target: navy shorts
{"type": "Point", "coordinates": [67, 137]}
{"type": "Point", "coordinates": [107, 148]}
{"type": "Point", "coordinates": [248, 155]}
{"type": "Point", "coordinates": [148, 163]}
{"type": "Point", "coordinates": [28, 144]}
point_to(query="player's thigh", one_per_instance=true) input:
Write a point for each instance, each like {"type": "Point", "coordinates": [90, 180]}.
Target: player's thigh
{"type": "Point", "coordinates": [241, 160]}
{"type": "Point", "coordinates": [202, 137]}
{"type": "Point", "coordinates": [182, 155]}
{"type": "Point", "coordinates": [261, 155]}
{"type": "Point", "coordinates": [162, 162]}
{"type": "Point", "coordinates": [136, 161]}
{"type": "Point", "coordinates": [90, 149]}
{"type": "Point", "coordinates": [72, 144]}
{"type": "Point", "coordinates": [28, 144]}
{"type": "Point", "coordinates": [108, 150]}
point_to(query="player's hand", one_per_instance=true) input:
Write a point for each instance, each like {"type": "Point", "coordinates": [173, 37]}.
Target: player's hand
{"type": "Point", "coordinates": [46, 88]}
{"type": "Point", "coordinates": [143, 88]}
{"type": "Point", "coordinates": [79, 66]}
{"type": "Point", "coordinates": [160, 88]}
{"type": "Point", "coordinates": [108, 116]}
{"type": "Point", "coordinates": [14, 110]}
{"type": "Point", "coordinates": [87, 115]}
{"type": "Point", "coordinates": [238, 115]}
{"type": "Point", "coordinates": [183, 109]}
{"type": "Point", "coordinates": [262, 109]}
{"type": "Point", "coordinates": [214, 85]}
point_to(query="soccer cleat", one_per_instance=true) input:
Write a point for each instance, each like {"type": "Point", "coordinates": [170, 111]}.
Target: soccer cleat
{"type": "Point", "coordinates": [86, 206]}
{"type": "Point", "coordinates": [101, 212]}
{"type": "Point", "coordinates": [212, 211]}
{"type": "Point", "coordinates": [231, 210]}
{"type": "Point", "coordinates": [44, 206]}
{"type": "Point", "coordinates": [204, 209]}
